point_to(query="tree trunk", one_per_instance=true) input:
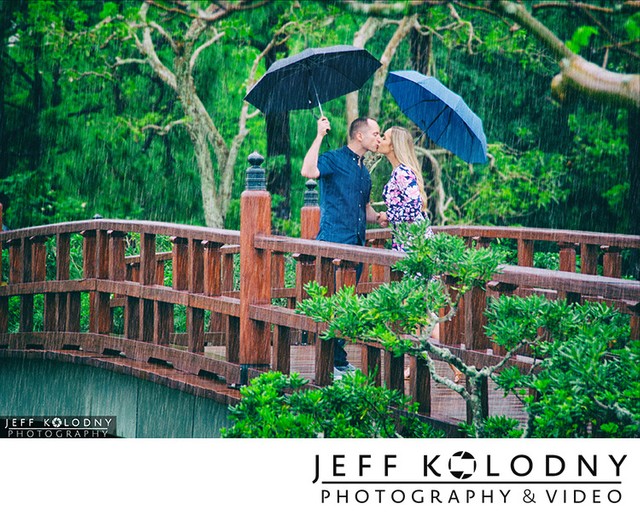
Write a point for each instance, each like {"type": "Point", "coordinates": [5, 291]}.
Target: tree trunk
{"type": "Point", "coordinates": [200, 137]}
{"type": "Point", "coordinates": [278, 153]}
{"type": "Point", "coordinates": [406, 24]}
{"type": "Point", "coordinates": [364, 34]}
{"type": "Point", "coordinates": [279, 150]}
{"type": "Point", "coordinates": [5, 20]}
{"type": "Point", "coordinates": [37, 101]}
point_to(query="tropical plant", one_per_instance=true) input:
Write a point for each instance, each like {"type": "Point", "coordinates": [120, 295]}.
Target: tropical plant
{"type": "Point", "coordinates": [276, 405]}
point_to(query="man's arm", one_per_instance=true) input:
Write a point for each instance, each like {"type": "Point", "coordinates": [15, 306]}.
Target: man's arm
{"type": "Point", "coordinates": [310, 163]}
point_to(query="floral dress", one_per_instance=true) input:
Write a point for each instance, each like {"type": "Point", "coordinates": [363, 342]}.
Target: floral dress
{"type": "Point", "coordinates": [402, 197]}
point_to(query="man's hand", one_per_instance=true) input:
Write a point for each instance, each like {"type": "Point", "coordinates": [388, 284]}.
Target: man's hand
{"type": "Point", "coordinates": [324, 126]}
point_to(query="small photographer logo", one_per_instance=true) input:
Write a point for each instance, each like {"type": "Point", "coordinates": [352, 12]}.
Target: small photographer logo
{"type": "Point", "coordinates": [57, 427]}
{"type": "Point", "coordinates": [462, 465]}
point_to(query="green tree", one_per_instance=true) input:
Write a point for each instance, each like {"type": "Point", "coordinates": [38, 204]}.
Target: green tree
{"type": "Point", "coordinates": [585, 380]}
{"type": "Point", "coordinates": [437, 273]}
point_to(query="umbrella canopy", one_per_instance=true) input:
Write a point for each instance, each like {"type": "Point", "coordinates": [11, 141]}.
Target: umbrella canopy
{"type": "Point", "coordinates": [311, 77]}
{"type": "Point", "coordinates": [439, 112]}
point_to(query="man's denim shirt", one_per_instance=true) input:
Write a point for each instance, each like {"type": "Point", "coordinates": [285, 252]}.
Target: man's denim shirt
{"type": "Point", "coordinates": [345, 190]}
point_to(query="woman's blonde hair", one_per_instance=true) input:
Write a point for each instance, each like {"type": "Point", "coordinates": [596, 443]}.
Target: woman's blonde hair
{"type": "Point", "coordinates": [404, 150]}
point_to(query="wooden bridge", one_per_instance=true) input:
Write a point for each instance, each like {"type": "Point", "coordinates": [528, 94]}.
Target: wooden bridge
{"type": "Point", "coordinates": [237, 291]}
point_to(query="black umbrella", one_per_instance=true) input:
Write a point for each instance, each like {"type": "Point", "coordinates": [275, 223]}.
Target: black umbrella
{"type": "Point", "coordinates": [311, 77]}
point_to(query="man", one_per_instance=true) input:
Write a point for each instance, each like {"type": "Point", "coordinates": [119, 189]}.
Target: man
{"type": "Point", "coordinates": [345, 189]}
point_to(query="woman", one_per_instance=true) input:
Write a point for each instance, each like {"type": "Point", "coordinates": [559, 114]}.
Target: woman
{"type": "Point", "coordinates": [404, 193]}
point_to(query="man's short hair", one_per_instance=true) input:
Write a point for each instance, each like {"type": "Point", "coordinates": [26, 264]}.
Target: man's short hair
{"type": "Point", "coordinates": [357, 125]}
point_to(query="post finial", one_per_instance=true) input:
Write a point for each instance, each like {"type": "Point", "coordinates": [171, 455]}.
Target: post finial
{"type": "Point", "coordinates": [311, 194]}
{"type": "Point", "coordinates": [255, 177]}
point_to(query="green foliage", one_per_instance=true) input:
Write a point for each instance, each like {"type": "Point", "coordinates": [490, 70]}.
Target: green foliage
{"type": "Point", "coordinates": [585, 383]}
{"type": "Point", "coordinates": [581, 38]}
{"type": "Point", "coordinates": [495, 427]}
{"type": "Point", "coordinates": [517, 185]}
{"type": "Point", "coordinates": [405, 307]}
{"type": "Point", "coordinates": [276, 405]}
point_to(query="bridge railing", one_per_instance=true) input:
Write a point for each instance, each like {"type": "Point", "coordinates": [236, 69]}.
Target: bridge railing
{"type": "Point", "coordinates": [226, 282]}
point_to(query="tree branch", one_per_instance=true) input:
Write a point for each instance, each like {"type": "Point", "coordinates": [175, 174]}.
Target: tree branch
{"type": "Point", "coordinates": [389, 8]}
{"type": "Point", "coordinates": [162, 130]}
{"type": "Point", "coordinates": [405, 25]}
{"type": "Point", "coordinates": [147, 48]}
{"type": "Point", "coordinates": [205, 45]}
{"type": "Point", "coordinates": [164, 34]}
{"type": "Point", "coordinates": [364, 34]}
{"type": "Point", "coordinates": [577, 74]}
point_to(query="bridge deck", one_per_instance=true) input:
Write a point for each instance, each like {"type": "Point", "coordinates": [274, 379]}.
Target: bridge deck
{"type": "Point", "coordinates": [446, 405]}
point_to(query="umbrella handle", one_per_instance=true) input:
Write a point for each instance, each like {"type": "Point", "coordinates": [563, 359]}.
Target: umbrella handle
{"type": "Point", "coordinates": [317, 98]}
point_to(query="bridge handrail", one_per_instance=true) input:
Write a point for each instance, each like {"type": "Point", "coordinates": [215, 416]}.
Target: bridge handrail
{"type": "Point", "coordinates": [224, 236]}
{"type": "Point", "coordinates": [622, 241]}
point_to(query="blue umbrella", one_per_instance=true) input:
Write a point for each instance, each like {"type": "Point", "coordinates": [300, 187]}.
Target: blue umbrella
{"type": "Point", "coordinates": [439, 112]}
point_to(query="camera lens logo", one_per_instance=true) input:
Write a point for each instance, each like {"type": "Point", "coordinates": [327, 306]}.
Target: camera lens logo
{"type": "Point", "coordinates": [462, 465]}
{"type": "Point", "coordinates": [57, 422]}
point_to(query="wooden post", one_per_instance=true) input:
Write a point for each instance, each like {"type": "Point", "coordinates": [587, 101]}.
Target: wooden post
{"type": "Point", "coordinates": [525, 253]}
{"type": "Point", "coordinates": [213, 285]}
{"type": "Point", "coordinates": [282, 349]}
{"type": "Point", "coordinates": [611, 262]}
{"type": "Point", "coordinates": [475, 302]}
{"type": "Point", "coordinates": [393, 377]}
{"type": "Point", "coordinates": [420, 384]}
{"type": "Point", "coordinates": [39, 273]}
{"type": "Point", "coordinates": [89, 271]}
{"type": "Point", "coordinates": [255, 265]}
{"type": "Point", "coordinates": [372, 363]}
{"type": "Point", "coordinates": [589, 259]}
{"type": "Point", "coordinates": [147, 277]}
{"type": "Point", "coordinates": [306, 265]}
{"type": "Point", "coordinates": [506, 289]}
{"type": "Point", "coordinates": [63, 262]}
{"type": "Point", "coordinates": [378, 272]}
{"type": "Point", "coordinates": [195, 316]}
{"type": "Point", "coordinates": [567, 256]}
{"type": "Point", "coordinates": [26, 300]}
{"type": "Point", "coordinates": [180, 261]}
{"type": "Point", "coordinates": [117, 267]}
